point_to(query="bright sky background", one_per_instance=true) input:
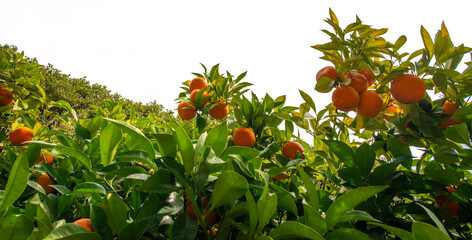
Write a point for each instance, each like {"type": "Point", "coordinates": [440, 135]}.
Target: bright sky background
{"type": "Point", "coordinates": [144, 49]}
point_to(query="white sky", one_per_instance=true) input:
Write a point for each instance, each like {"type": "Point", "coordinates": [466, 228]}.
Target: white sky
{"type": "Point", "coordinates": [143, 50]}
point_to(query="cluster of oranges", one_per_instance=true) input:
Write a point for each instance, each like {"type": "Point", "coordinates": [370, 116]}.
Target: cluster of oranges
{"type": "Point", "coordinates": [449, 109]}
{"type": "Point", "coordinates": [188, 111]}
{"type": "Point", "coordinates": [406, 89]}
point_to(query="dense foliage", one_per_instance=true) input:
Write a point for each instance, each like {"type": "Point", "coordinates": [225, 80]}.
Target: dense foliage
{"type": "Point", "coordinates": [237, 169]}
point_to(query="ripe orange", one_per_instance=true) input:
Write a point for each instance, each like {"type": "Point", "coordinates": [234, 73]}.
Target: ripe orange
{"type": "Point", "coordinates": [6, 98]}
{"type": "Point", "coordinates": [449, 109]}
{"type": "Point", "coordinates": [408, 89]}
{"type": "Point", "coordinates": [85, 223]}
{"type": "Point", "coordinates": [345, 98]}
{"type": "Point", "coordinates": [244, 136]}
{"type": "Point", "coordinates": [197, 83]}
{"type": "Point", "coordinates": [220, 111]}
{"type": "Point", "coordinates": [281, 176]}
{"type": "Point", "coordinates": [186, 113]}
{"type": "Point", "coordinates": [370, 104]}
{"type": "Point", "coordinates": [211, 217]}
{"type": "Point", "coordinates": [45, 182]}
{"type": "Point", "coordinates": [358, 81]}
{"type": "Point", "coordinates": [290, 150]}
{"type": "Point", "coordinates": [394, 109]}
{"type": "Point", "coordinates": [328, 71]}
{"type": "Point", "coordinates": [444, 202]}
{"type": "Point", "coordinates": [48, 158]}
{"type": "Point", "coordinates": [368, 75]}
{"type": "Point", "coordinates": [194, 93]}
{"type": "Point", "coordinates": [21, 135]}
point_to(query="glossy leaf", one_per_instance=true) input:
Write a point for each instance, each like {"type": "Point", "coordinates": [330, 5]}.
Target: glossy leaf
{"type": "Point", "coordinates": [401, 233]}
{"type": "Point", "coordinates": [312, 193]}
{"type": "Point", "coordinates": [314, 220]}
{"type": "Point", "coordinates": [77, 154]}
{"type": "Point", "coordinates": [17, 181]}
{"type": "Point", "coordinates": [424, 231]}
{"type": "Point", "coordinates": [16, 227]}
{"type": "Point", "coordinates": [294, 230]}
{"type": "Point", "coordinates": [347, 233]}
{"type": "Point", "coordinates": [217, 139]}
{"type": "Point", "coordinates": [71, 231]}
{"type": "Point", "coordinates": [342, 151]}
{"type": "Point", "coordinates": [229, 187]}
{"type": "Point", "coordinates": [365, 159]}
{"type": "Point", "coordinates": [116, 211]}
{"type": "Point", "coordinates": [184, 228]}
{"type": "Point", "coordinates": [160, 182]}
{"type": "Point", "coordinates": [134, 133]}
{"type": "Point", "coordinates": [167, 145]}
{"type": "Point", "coordinates": [110, 138]}
{"type": "Point", "coordinates": [88, 188]}
{"type": "Point", "coordinates": [185, 148]}
{"type": "Point", "coordinates": [348, 201]}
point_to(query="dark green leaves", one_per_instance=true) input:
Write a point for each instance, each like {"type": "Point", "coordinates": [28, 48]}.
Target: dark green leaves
{"type": "Point", "coordinates": [229, 187]}
{"type": "Point", "coordinates": [17, 181]}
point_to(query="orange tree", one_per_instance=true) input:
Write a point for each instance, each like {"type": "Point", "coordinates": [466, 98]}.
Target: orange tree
{"type": "Point", "coordinates": [116, 175]}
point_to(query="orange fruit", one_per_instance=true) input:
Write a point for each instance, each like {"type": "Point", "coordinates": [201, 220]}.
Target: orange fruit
{"type": "Point", "coordinates": [211, 217]}
{"type": "Point", "coordinates": [281, 176]}
{"type": "Point", "coordinates": [449, 109]}
{"type": "Point", "coordinates": [186, 113]}
{"type": "Point", "coordinates": [197, 83]}
{"type": "Point", "coordinates": [290, 150]}
{"type": "Point", "coordinates": [45, 182]}
{"type": "Point", "coordinates": [220, 111]}
{"type": "Point", "coordinates": [368, 75]}
{"type": "Point", "coordinates": [85, 223]}
{"type": "Point", "coordinates": [328, 71]}
{"type": "Point", "coordinates": [20, 136]}
{"type": "Point", "coordinates": [345, 98]}
{"type": "Point", "coordinates": [48, 158]}
{"type": "Point", "coordinates": [244, 136]}
{"type": "Point", "coordinates": [408, 89]}
{"type": "Point", "coordinates": [358, 81]}
{"type": "Point", "coordinates": [370, 104]}
{"type": "Point", "coordinates": [444, 202]}
{"type": "Point", "coordinates": [394, 109]}
{"type": "Point", "coordinates": [6, 98]}
{"type": "Point", "coordinates": [194, 93]}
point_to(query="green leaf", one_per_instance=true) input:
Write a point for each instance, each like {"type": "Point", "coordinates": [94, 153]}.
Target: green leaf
{"type": "Point", "coordinates": [399, 43]}
{"type": "Point", "coordinates": [365, 159]}
{"type": "Point", "coordinates": [348, 201]}
{"type": "Point", "coordinates": [160, 182]}
{"type": "Point", "coordinates": [109, 140]}
{"type": "Point", "coordinates": [397, 148]}
{"type": "Point", "coordinates": [229, 187]}
{"type": "Point", "coordinates": [434, 218]}
{"type": "Point", "coordinates": [44, 221]}
{"type": "Point", "coordinates": [424, 231]}
{"type": "Point", "coordinates": [136, 155]}
{"type": "Point", "coordinates": [266, 206]}
{"type": "Point", "coordinates": [16, 227]}
{"type": "Point", "coordinates": [314, 220]}
{"type": "Point", "coordinates": [313, 196]}
{"type": "Point", "coordinates": [167, 145]}
{"type": "Point", "coordinates": [71, 231]}
{"type": "Point", "coordinates": [342, 151]}
{"type": "Point", "coordinates": [294, 230]}
{"type": "Point", "coordinates": [184, 228]}
{"type": "Point", "coordinates": [428, 42]}
{"type": "Point", "coordinates": [458, 133]}
{"type": "Point", "coordinates": [116, 211]}
{"type": "Point", "coordinates": [75, 153]}
{"type": "Point", "coordinates": [17, 181]}
{"type": "Point", "coordinates": [253, 213]}
{"type": "Point", "coordinates": [136, 135]}
{"type": "Point", "coordinates": [333, 16]}
{"type": "Point", "coordinates": [324, 84]}
{"type": "Point", "coordinates": [185, 148]}
{"type": "Point", "coordinates": [440, 81]}
{"type": "Point", "coordinates": [401, 233]}
{"type": "Point", "coordinates": [88, 188]}
{"type": "Point", "coordinates": [245, 152]}
{"type": "Point", "coordinates": [308, 100]}
{"type": "Point", "coordinates": [217, 139]}
{"type": "Point", "coordinates": [357, 215]}
{"type": "Point", "coordinates": [347, 233]}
